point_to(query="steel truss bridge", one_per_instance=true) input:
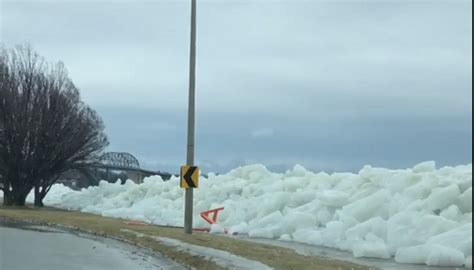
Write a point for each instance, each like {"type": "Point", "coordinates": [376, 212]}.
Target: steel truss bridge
{"type": "Point", "coordinates": [111, 167]}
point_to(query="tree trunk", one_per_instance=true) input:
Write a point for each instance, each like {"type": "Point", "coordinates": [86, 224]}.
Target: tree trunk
{"type": "Point", "coordinates": [39, 201]}
{"type": "Point", "coordinates": [18, 195]}
{"type": "Point", "coordinates": [7, 194]}
{"type": "Point", "coordinates": [7, 201]}
{"type": "Point", "coordinates": [19, 199]}
{"type": "Point", "coordinates": [39, 196]}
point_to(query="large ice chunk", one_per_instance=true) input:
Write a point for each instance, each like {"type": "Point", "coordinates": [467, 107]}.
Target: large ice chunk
{"type": "Point", "coordinates": [420, 215]}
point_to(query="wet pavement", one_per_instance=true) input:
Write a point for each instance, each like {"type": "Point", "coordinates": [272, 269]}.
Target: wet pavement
{"type": "Point", "coordinates": [308, 250]}
{"type": "Point", "coordinates": [26, 247]}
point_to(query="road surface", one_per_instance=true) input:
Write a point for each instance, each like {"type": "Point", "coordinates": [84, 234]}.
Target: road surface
{"type": "Point", "coordinates": [24, 247]}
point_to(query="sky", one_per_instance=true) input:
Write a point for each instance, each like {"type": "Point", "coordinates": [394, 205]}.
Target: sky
{"type": "Point", "coordinates": [329, 85]}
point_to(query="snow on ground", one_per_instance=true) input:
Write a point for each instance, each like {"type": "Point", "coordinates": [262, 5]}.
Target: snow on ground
{"type": "Point", "coordinates": [421, 215]}
{"type": "Point", "coordinates": [219, 257]}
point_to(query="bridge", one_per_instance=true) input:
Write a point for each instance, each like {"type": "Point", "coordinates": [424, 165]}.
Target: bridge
{"type": "Point", "coordinates": [111, 167]}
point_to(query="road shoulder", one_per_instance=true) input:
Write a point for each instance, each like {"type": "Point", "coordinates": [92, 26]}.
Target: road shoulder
{"type": "Point", "coordinates": [271, 256]}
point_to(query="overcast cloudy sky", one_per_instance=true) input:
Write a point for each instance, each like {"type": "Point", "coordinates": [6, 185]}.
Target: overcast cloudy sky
{"type": "Point", "coordinates": [330, 85]}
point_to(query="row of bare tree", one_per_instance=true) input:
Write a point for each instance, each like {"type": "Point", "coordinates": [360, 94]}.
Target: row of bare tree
{"type": "Point", "coordinates": [44, 125]}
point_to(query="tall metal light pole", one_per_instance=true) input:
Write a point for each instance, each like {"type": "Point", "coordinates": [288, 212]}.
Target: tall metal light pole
{"type": "Point", "coordinates": [188, 207]}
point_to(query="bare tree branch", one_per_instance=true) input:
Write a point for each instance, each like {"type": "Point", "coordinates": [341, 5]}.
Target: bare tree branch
{"type": "Point", "coordinates": [44, 125]}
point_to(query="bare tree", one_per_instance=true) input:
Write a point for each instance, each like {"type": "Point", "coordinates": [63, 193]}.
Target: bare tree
{"type": "Point", "coordinates": [46, 126]}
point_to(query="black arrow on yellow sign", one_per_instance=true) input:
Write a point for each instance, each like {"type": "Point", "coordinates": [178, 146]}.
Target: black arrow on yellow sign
{"type": "Point", "coordinates": [189, 177]}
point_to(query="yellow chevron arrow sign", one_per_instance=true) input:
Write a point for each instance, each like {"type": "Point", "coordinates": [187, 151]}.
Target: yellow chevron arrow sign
{"type": "Point", "coordinates": [189, 177]}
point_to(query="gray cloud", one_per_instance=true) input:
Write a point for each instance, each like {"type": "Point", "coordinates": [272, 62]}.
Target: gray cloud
{"type": "Point", "coordinates": [331, 85]}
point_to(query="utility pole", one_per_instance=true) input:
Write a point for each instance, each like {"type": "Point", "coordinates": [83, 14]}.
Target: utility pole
{"type": "Point", "coordinates": [188, 207]}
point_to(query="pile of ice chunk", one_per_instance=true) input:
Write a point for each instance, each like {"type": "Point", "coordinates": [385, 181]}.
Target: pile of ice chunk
{"type": "Point", "coordinates": [421, 215]}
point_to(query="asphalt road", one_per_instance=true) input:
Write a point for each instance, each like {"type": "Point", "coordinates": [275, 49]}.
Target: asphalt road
{"type": "Point", "coordinates": [25, 247]}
